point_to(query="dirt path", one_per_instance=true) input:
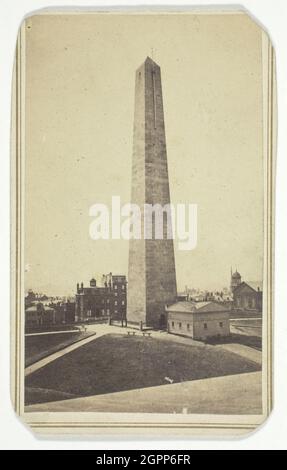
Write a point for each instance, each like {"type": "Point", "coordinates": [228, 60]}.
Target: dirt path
{"type": "Point", "coordinates": [98, 330]}
{"type": "Point", "coordinates": [53, 332]}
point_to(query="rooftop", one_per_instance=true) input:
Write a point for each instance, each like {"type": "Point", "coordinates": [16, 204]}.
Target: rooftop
{"type": "Point", "coordinates": [236, 275]}
{"type": "Point", "coordinates": [34, 308]}
{"type": "Point", "coordinates": [196, 307]}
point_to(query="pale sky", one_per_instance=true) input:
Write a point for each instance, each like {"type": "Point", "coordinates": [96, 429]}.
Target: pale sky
{"type": "Point", "coordinates": [80, 75]}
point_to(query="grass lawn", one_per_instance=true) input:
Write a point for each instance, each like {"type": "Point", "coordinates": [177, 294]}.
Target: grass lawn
{"type": "Point", "coordinates": [245, 314]}
{"type": "Point", "coordinates": [251, 341]}
{"type": "Point", "coordinates": [114, 363]}
{"type": "Point", "coordinates": [37, 347]}
{"type": "Point", "coordinates": [244, 331]}
{"type": "Point", "coordinates": [48, 328]}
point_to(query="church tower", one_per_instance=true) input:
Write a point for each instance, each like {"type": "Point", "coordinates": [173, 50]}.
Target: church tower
{"type": "Point", "coordinates": [151, 276]}
{"type": "Point", "coordinates": [235, 280]}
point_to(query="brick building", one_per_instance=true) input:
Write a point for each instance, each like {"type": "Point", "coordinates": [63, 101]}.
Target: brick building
{"type": "Point", "coordinates": [64, 312]}
{"type": "Point", "coordinates": [107, 300]}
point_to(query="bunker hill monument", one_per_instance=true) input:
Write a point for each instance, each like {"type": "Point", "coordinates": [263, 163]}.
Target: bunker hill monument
{"type": "Point", "coordinates": [151, 275]}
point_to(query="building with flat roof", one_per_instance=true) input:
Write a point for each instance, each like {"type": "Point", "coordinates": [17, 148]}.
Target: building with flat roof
{"type": "Point", "coordinates": [107, 300]}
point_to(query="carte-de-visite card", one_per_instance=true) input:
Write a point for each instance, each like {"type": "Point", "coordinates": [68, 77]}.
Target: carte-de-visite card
{"type": "Point", "coordinates": [142, 223]}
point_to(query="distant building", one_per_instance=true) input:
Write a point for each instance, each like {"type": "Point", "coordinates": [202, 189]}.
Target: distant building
{"type": "Point", "coordinates": [197, 297]}
{"type": "Point", "coordinates": [64, 312]}
{"type": "Point", "coordinates": [198, 320]}
{"type": "Point", "coordinates": [181, 296]}
{"type": "Point", "coordinates": [70, 310]}
{"type": "Point", "coordinates": [30, 298]}
{"type": "Point", "coordinates": [219, 297]}
{"type": "Point", "coordinates": [110, 299]}
{"type": "Point", "coordinates": [39, 315]}
{"type": "Point", "coordinates": [247, 296]}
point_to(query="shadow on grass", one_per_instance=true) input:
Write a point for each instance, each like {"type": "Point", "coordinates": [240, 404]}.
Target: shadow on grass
{"type": "Point", "coordinates": [251, 341]}
{"type": "Point", "coordinates": [114, 363]}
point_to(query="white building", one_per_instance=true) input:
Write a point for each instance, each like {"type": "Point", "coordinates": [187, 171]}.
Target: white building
{"type": "Point", "coordinates": [199, 320]}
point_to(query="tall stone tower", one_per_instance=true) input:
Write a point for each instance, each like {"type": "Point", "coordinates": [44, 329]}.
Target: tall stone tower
{"type": "Point", "coordinates": [151, 277]}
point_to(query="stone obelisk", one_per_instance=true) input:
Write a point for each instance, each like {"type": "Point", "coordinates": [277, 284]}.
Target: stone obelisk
{"type": "Point", "coordinates": [151, 276]}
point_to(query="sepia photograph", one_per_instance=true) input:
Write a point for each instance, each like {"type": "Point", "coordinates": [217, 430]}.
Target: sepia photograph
{"type": "Point", "coordinates": [143, 220]}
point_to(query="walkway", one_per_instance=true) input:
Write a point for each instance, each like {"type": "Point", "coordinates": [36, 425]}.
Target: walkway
{"type": "Point", "coordinates": [99, 330]}
{"type": "Point", "coordinates": [53, 332]}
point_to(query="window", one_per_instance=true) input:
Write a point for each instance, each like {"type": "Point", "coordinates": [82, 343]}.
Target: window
{"type": "Point", "coordinates": [108, 311]}
{"type": "Point", "coordinates": [108, 301]}
{"type": "Point", "coordinates": [116, 302]}
{"type": "Point", "coordinates": [123, 287]}
{"type": "Point", "coordinates": [116, 311]}
{"type": "Point", "coordinates": [123, 302]}
{"type": "Point", "coordinates": [172, 324]}
{"type": "Point", "coordinates": [221, 324]}
{"type": "Point", "coordinates": [115, 286]}
{"type": "Point", "coordinates": [188, 326]}
{"type": "Point", "coordinates": [205, 326]}
{"type": "Point", "coordinates": [179, 325]}
{"type": "Point", "coordinates": [116, 294]}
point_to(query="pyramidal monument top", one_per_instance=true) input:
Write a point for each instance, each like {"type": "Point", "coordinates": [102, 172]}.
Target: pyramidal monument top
{"type": "Point", "coordinates": [149, 63]}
